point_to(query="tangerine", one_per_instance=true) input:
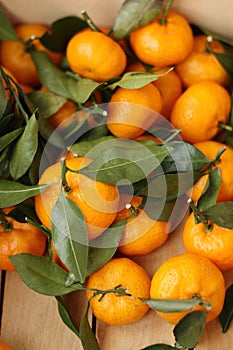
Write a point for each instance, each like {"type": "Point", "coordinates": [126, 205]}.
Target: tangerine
{"type": "Point", "coordinates": [132, 111]}
{"type": "Point", "coordinates": [215, 243]}
{"type": "Point", "coordinates": [95, 56]}
{"type": "Point", "coordinates": [189, 276]}
{"type": "Point", "coordinates": [141, 234]}
{"type": "Point", "coordinates": [15, 55]}
{"type": "Point", "coordinates": [199, 110]}
{"type": "Point", "coordinates": [97, 201]}
{"type": "Point", "coordinates": [210, 149]}
{"type": "Point", "coordinates": [117, 309]}
{"type": "Point", "coordinates": [202, 65]}
{"type": "Point", "coordinates": [163, 45]}
{"type": "Point", "coordinates": [17, 238]}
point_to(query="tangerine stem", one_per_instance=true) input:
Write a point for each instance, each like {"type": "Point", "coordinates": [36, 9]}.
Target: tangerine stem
{"type": "Point", "coordinates": [7, 227]}
{"type": "Point", "coordinates": [12, 90]}
{"type": "Point", "coordinates": [89, 22]}
{"type": "Point", "coordinates": [225, 126]}
{"type": "Point", "coordinates": [117, 290]}
{"type": "Point", "coordinates": [64, 170]}
{"type": "Point", "coordinates": [200, 217]}
{"type": "Point", "coordinates": [165, 12]}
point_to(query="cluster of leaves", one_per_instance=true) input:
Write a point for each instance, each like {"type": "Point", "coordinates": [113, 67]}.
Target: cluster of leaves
{"type": "Point", "coordinates": [24, 134]}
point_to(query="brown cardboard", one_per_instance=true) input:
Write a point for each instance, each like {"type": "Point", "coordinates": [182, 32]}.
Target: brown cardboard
{"type": "Point", "coordinates": [214, 15]}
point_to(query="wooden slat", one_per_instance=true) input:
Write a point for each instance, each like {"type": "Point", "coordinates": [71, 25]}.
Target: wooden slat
{"type": "Point", "coordinates": [31, 321]}
{"type": "Point", "coordinates": [153, 329]}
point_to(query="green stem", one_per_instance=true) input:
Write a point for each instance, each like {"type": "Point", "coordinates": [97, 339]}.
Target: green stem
{"type": "Point", "coordinates": [214, 161]}
{"type": "Point", "coordinates": [89, 22]}
{"type": "Point", "coordinates": [199, 216]}
{"type": "Point", "coordinates": [165, 12]}
{"type": "Point", "coordinates": [64, 170]}
{"type": "Point", "coordinates": [172, 136]}
{"type": "Point", "coordinates": [12, 90]}
{"type": "Point", "coordinates": [225, 126]}
{"type": "Point", "coordinates": [7, 227]}
{"type": "Point", "coordinates": [117, 290]}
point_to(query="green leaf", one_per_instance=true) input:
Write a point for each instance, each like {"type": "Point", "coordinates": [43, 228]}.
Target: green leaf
{"type": "Point", "coordinates": [52, 77]}
{"type": "Point", "coordinates": [7, 31]}
{"type": "Point", "coordinates": [70, 236]}
{"type": "Point", "coordinates": [42, 275]}
{"type": "Point", "coordinates": [225, 59]}
{"type": "Point", "coordinates": [83, 147]}
{"type": "Point", "coordinates": [209, 197]}
{"type": "Point", "coordinates": [64, 314]}
{"type": "Point", "coordinates": [47, 131]}
{"type": "Point", "coordinates": [12, 193]}
{"type": "Point", "coordinates": [4, 163]}
{"type": "Point", "coordinates": [47, 102]}
{"type": "Point", "coordinates": [25, 149]}
{"type": "Point", "coordinates": [226, 316]}
{"type": "Point", "coordinates": [174, 305]}
{"type": "Point", "coordinates": [61, 32]}
{"type": "Point", "coordinates": [220, 214]}
{"type": "Point", "coordinates": [103, 248]}
{"type": "Point", "coordinates": [135, 80]}
{"type": "Point", "coordinates": [85, 87]}
{"type": "Point", "coordinates": [159, 347]}
{"type": "Point", "coordinates": [124, 159]}
{"type": "Point", "coordinates": [7, 139]}
{"type": "Point", "coordinates": [134, 14]}
{"type": "Point", "coordinates": [183, 157]}
{"type": "Point", "coordinates": [169, 186]}
{"type": "Point", "coordinates": [190, 328]}
{"type": "Point", "coordinates": [57, 81]}
{"type": "Point", "coordinates": [86, 334]}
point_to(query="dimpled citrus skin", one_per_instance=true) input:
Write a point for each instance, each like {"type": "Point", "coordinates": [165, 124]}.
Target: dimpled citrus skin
{"type": "Point", "coordinates": [97, 201]}
{"type": "Point", "coordinates": [14, 57]}
{"type": "Point", "coordinates": [114, 309]}
{"type": "Point", "coordinates": [210, 149]}
{"type": "Point", "coordinates": [202, 65]}
{"type": "Point", "coordinates": [22, 238]}
{"type": "Point", "coordinates": [127, 118]}
{"type": "Point", "coordinates": [163, 45]}
{"type": "Point", "coordinates": [198, 111]}
{"type": "Point", "coordinates": [141, 234]}
{"type": "Point", "coordinates": [216, 245]}
{"type": "Point", "coordinates": [4, 346]}
{"type": "Point", "coordinates": [188, 276]}
{"type": "Point", "coordinates": [96, 56]}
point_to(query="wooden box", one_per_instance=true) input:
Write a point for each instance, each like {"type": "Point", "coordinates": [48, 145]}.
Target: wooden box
{"type": "Point", "coordinates": [31, 321]}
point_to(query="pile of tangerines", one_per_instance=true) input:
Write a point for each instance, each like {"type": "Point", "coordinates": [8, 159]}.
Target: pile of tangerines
{"type": "Point", "coordinates": [192, 91]}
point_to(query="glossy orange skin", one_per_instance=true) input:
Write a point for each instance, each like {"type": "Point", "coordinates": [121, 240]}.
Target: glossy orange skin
{"type": "Point", "coordinates": [97, 201]}
{"type": "Point", "coordinates": [22, 238]}
{"type": "Point", "coordinates": [202, 65]}
{"type": "Point", "coordinates": [114, 309]}
{"type": "Point", "coordinates": [95, 56]}
{"type": "Point", "coordinates": [127, 118]}
{"type": "Point", "coordinates": [210, 149]}
{"type": "Point", "coordinates": [163, 45]}
{"type": "Point", "coordinates": [169, 85]}
{"type": "Point", "coordinates": [197, 119]}
{"type": "Point", "coordinates": [141, 234]}
{"type": "Point", "coordinates": [171, 88]}
{"type": "Point", "coordinates": [188, 276]}
{"type": "Point", "coordinates": [14, 57]}
{"type": "Point", "coordinates": [216, 245]}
